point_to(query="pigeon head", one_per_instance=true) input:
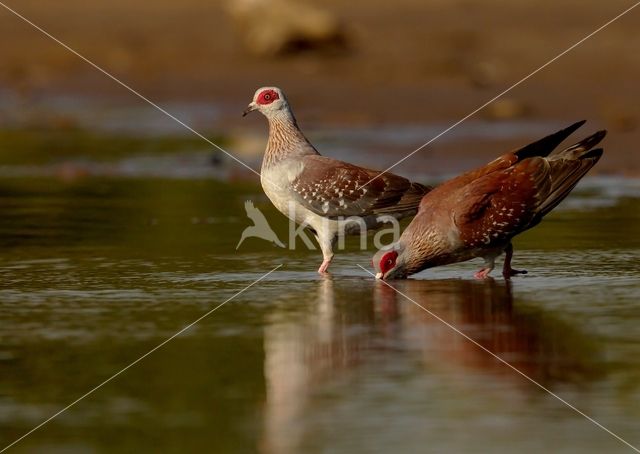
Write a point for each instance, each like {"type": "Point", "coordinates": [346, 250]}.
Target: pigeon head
{"type": "Point", "coordinates": [389, 262]}
{"type": "Point", "coordinates": [268, 100]}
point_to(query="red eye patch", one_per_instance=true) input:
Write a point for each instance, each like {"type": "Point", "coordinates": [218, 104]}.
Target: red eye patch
{"type": "Point", "coordinates": [267, 97]}
{"type": "Point", "coordinates": [388, 261]}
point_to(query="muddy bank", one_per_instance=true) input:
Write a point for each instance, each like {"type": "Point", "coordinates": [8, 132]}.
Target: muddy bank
{"type": "Point", "coordinates": [410, 63]}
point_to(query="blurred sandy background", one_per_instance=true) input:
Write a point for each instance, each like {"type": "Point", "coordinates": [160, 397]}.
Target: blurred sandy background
{"type": "Point", "coordinates": [390, 63]}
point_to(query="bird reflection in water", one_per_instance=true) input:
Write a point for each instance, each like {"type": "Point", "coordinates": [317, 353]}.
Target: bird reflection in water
{"type": "Point", "coordinates": [319, 343]}
{"type": "Point", "coordinates": [539, 345]}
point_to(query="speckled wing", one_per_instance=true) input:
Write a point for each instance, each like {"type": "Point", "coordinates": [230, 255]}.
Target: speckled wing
{"type": "Point", "coordinates": [334, 188]}
{"type": "Point", "coordinates": [540, 148]}
{"type": "Point", "coordinates": [494, 208]}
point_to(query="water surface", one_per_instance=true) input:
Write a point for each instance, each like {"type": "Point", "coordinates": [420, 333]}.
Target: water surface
{"type": "Point", "coordinates": [97, 271]}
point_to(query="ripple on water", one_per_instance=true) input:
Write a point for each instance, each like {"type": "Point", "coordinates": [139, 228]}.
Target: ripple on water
{"type": "Point", "coordinates": [307, 362]}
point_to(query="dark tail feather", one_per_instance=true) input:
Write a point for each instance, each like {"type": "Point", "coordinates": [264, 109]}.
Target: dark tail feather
{"type": "Point", "coordinates": [566, 173]}
{"type": "Point", "coordinates": [414, 194]}
{"type": "Point", "coordinates": [420, 188]}
{"type": "Point", "coordinates": [547, 144]}
{"type": "Point", "coordinates": [593, 154]}
{"type": "Point", "coordinates": [409, 201]}
{"type": "Point", "coordinates": [577, 149]}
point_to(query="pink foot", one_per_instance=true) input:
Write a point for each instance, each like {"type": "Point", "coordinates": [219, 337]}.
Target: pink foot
{"type": "Point", "coordinates": [507, 273]}
{"type": "Point", "coordinates": [482, 273]}
{"type": "Point", "coordinates": [324, 267]}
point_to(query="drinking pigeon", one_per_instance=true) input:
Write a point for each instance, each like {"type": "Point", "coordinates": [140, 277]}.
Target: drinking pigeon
{"type": "Point", "coordinates": [478, 213]}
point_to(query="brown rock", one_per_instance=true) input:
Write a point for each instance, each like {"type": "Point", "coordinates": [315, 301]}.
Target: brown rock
{"type": "Point", "coordinates": [276, 27]}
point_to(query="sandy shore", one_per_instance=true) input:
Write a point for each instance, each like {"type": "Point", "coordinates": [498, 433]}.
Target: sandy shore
{"type": "Point", "coordinates": [409, 62]}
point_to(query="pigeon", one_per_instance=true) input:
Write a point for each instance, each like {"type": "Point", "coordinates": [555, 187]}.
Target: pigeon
{"type": "Point", "coordinates": [478, 213]}
{"type": "Point", "coordinates": [320, 192]}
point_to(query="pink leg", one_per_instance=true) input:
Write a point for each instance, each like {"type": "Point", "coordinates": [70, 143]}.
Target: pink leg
{"type": "Point", "coordinates": [482, 273]}
{"type": "Point", "coordinates": [326, 245]}
{"type": "Point", "coordinates": [507, 271]}
{"type": "Point", "coordinates": [325, 266]}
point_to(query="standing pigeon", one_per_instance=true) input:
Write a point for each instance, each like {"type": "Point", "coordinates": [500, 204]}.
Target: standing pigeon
{"type": "Point", "coordinates": [478, 213]}
{"type": "Point", "coordinates": [322, 192]}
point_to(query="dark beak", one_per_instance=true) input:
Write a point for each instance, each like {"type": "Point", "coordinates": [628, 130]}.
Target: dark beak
{"type": "Point", "coordinates": [250, 108]}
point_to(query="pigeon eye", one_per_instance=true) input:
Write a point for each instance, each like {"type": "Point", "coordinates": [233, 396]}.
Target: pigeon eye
{"type": "Point", "coordinates": [388, 261]}
{"type": "Point", "coordinates": [267, 96]}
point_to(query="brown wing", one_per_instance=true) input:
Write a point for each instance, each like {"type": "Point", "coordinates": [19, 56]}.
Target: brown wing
{"type": "Point", "coordinates": [565, 175]}
{"type": "Point", "coordinates": [334, 188]}
{"type": "Point", "coordinates": [542, 147]}
{"type": "Point", "coordinates": [497, 207]}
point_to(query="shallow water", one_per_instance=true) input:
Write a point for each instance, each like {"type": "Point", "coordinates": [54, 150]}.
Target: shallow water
{"type": "Point", "coordinates": [98, 271]}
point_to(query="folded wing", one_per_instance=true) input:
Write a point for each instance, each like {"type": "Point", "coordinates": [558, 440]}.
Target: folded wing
{"type": "Point", "coordinates": [333, 188]}
{"type": "Point", "coordinates": [499, 205]}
